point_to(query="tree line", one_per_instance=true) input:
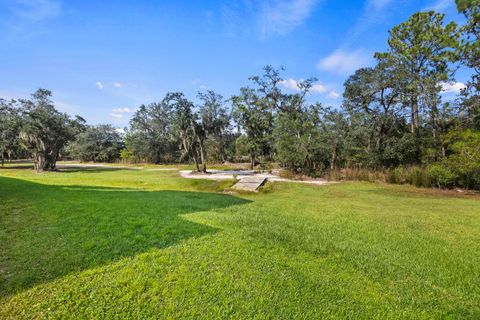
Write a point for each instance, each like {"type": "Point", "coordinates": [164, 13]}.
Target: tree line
{"type": "Point", "coordinates": [392, 116]}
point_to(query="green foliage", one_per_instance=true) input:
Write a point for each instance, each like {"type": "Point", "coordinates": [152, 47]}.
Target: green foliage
{"type": "Point", "coordinates": [101, 143]}
{"type": "Point", "coordinates": [465, 158]}
{"type": "Point", "coordinates": [213, 124]}
{"type": "Point", "coordinates": [9, 130]}
{"type": "Point", "coordinates": [298, 140]}
{"type": "Point", "coordinates": [469, 53]}
{"type": "Point", "coordinates": [254, 110]}
{"type": "Point", "coordinates": [395, 175]}
{"type": "Point", "coordinates": [401, 150]}
{"type": "Point", "coordinates": [440, 176]}
{"type": "Point", "coordinates": [417, 176]}
{"type": "Point", "coordinates": [392, 116]}
{"type": "Point", "coordinates": [420, 51]}
{"type": "Point", "coordinates": [45, 131]}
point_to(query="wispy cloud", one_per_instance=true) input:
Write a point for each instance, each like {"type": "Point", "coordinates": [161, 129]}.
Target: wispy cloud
{"type": "Point", "coordinates": [345, 62]}
{"type": "Point", "coordinates": [282, 16]}
{"type": "Point", "coordinates": [99, 85]}
{"type": "Point", "coordinates": [121, 110]}
{"type": "Point", "coordinates": [117, 85]}
{"type": "Point", "coordinates": [265, 18]}
{"type": "Point", "coordinates": [378, 4]}
{"type": "Point", "coordinates": [28, 18]}
{"type": "Point", "coordinates": [333, 95]}
{"type": "Point", "coordinates": [116, 115]}
{"type": "Point", "coordinates": [231, 20]}
{"type": "Point", "coordinates": [36, 10]}
{"type": "Point", "coordinates": [439, 5]}
{"type": "Point", "coordinates": [375, 12]}
{"type": "Point", "coordinates": [199, 84]}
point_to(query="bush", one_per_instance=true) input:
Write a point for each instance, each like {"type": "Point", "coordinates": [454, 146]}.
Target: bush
{"type": "Point", "coordinates": [417, 176]}
{"type": "Point", "coordinates": [395, 176]}
{"type": "Point", "coordinates": [464, 159]}
{"type": "Point", "coordinates": [441, 177]}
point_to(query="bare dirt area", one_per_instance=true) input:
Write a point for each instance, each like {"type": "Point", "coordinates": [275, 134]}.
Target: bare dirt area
{"type": "Point", "coordinates": [243, 174]}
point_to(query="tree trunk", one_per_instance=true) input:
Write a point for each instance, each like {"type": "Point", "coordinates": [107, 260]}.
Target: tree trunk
{"type": "Point", "coordinates": [202, 157]}
{"type": "Point", "coordinates": [40, 162]}
{"type": "Point", "coordinates": [434, 130]}
{"type": "Point", "coordinates": [189, 150]}
{"type": "Point", "coordinates": [195, 159]}
{"type": "Point", "coordinates": [378, 139]}
{"type": "Point", "coordinates": [252, 162]}
{"type": "Point", "coordinates": [415, 117]}
{"type": "Point", "coordinates": [334, 157]}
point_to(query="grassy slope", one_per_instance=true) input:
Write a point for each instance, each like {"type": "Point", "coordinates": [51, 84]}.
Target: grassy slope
{"type": "Point", "coordinates": [145, 244]}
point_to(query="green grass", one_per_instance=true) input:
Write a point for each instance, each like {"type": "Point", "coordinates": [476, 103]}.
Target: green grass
{"type": "Point", "coordinates": [148, 244]}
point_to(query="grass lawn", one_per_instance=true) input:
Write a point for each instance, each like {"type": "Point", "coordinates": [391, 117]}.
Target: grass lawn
{"type": "Point", "coordinates": [148, 244]}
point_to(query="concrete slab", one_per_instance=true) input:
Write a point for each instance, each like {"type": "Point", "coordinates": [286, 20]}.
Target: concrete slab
{"type": "Point", "coordinates": [249, 183]}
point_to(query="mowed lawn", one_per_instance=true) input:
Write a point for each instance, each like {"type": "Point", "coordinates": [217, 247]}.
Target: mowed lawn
{"type": "Point", "coordinates": [148, 244]}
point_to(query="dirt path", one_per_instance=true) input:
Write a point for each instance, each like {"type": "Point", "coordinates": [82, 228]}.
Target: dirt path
{"type": "Point", "coordinates": [245, 174]}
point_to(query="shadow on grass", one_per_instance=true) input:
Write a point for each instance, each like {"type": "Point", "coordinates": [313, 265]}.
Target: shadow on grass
{"type": "Point", "coordinates": [49, 231]}
{"type": "Point", "coordinates": [10, 166]}
{"type": "Point", "coordinates": [90, 169]}
{"type": "Point", "coordinates": [68, 169]}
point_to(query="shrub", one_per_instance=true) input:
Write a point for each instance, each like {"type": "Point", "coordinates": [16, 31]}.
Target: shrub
{"type": "Point", "coordinates": [441, 177]}
{"type": "Point", "coordinates": [395, 176]}
{"type": "Point", "coordinates": [417, 176]}
{"type": "Point", "coordinates": [267, 187]}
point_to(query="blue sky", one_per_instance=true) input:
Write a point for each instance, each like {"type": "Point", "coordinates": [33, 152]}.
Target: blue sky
{"type": "Point", "coordinates": [102, 59]}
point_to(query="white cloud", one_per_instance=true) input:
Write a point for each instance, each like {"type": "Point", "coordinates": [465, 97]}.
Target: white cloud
{"type": "Point", "coordinates": [318, 88]}
{"type": "Point", "coordinates": [440, 5]}
{"type": "Point", "coordinates": [116, 115]}
{"type": "Point", "coordinates": [345, 62]}
{"type": "Point", "coordinates": [452, 87]}
{"type": "Point", "coordinates": [120, 130]}
{"type": "Point", "coordinates": [333, 95]}
{"type": "Point", "coordinates": [292, 84]}
{"type": "Point", "coordinates": [121, 110]}
{"type": "Point", "coordinates": [282, 16]}
{"type": "Point", "coordinates": [117, 85]}
{"type": "Point", "coordinates": [99, 85]}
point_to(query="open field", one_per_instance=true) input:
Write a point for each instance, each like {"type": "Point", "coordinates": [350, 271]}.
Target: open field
{"type": "Point", "coordinates": [114, 243]}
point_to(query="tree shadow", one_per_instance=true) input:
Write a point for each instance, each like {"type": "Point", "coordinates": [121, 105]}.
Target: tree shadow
{"type": "Point", "coordinates": [68, 168]}
{"type": "Point", "coordinates": [25, 167]}
{"type": "Point", "coordinates": [49, 231]}
{"type": "Point", "coordinates": [90, 169]}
